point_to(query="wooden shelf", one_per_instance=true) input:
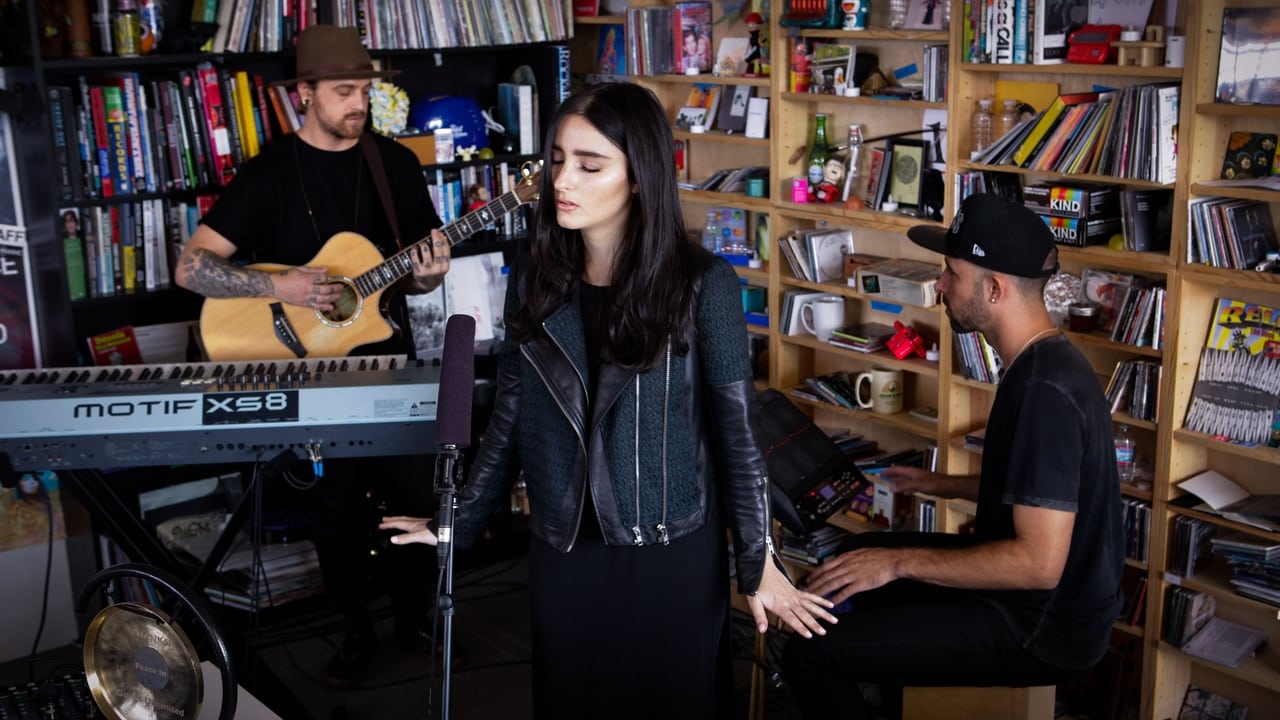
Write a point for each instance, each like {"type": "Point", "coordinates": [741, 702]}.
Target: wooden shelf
{"type": "Point", "coordinates": [915, 365]}
{"type": "Point", "coordinates": [1262, 670]}
{"type": "Point", "coordinates": [738, 200]}
{"type": "Point", "coordinates": [932, 36]}
{"type": "Point", "coordinates": [1227, 277]}
{"type": "Point", "coordinates": [599, 19]}
{"type": "Point", "coordinates": [762, 82]}
{"type": "Point", "coordinates": [851, 524]}
{"type": "Point", "coordinates": [973, 384]}
{"type": "Point", "coordinates": [755, 276]}
{"type": "Point", "coordinates": [900, 421]}
{"type": "Point", "coordinates": [1126, 71]}
{"type": "Point", "coordinates": [1236, 191]}
{"type": "Point", "coordinates": [720, 136]}
{"type": "Point", "coordinates": [844, 289]}
{"type": "Point", "coordinates": [1261, 454]}
{"type": "Point", "coordinates": [1245, 111]}
{"type": "Point", "coordinates": [1101, 340]}
{"type": "Point", "coordinates": [1128, 629]}
{"type": "Point", "coordinates": [1073, 178]}
{"type": "Point", "coordinates": [1149, 262]}
{"type": "Point", "coordinates": [886, 103]}
{"type": "Point", "coordinates": [817, 212]}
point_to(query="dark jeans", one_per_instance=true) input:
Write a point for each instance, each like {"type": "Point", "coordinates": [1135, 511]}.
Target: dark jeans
{"type": "Point", "coordinates": [907, 634]}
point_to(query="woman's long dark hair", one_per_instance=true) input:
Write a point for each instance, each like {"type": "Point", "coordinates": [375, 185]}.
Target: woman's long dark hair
{"type": "Point", "coordinates": [652, 288]}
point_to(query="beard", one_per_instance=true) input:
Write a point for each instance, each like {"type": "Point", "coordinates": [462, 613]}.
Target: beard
{"type": "Point", "coordinates": [344, 129]}
{"type": "Point", "coordinates": [967, 317]}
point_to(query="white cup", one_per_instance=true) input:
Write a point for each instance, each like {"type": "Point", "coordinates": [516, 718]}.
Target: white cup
{"type": "Point", "coordinates": [885, 390]}
{"type": "Point", "coordinates": [822, 315]}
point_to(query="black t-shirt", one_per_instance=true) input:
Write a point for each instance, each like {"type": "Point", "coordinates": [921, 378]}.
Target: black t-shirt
{"type": "Point", "coordinates": [267, 211]}
{"type": "Point", "coordinates": [1049, 444]}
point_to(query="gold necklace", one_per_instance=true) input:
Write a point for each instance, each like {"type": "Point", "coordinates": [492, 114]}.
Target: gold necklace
{"type": "Point", "coordinates": [1030, 340]}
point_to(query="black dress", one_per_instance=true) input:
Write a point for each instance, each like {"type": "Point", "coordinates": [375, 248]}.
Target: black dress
{"type": "Point", "coordinates": [630, 632]}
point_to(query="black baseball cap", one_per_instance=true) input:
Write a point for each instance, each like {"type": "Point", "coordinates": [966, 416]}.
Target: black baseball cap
{"type": "Point", "coordinates": [995, 233]}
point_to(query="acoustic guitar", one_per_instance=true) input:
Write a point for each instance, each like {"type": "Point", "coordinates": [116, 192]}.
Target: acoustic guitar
{"type": "Point", "coordinates": [265, 328]}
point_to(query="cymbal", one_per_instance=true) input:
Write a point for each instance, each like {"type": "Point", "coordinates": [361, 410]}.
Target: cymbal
{"type": "Point", "coordinates": [141, 666]}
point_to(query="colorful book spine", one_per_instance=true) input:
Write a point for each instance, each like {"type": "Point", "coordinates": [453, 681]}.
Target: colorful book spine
{"type": "Point", "coordinates": [117, 132]}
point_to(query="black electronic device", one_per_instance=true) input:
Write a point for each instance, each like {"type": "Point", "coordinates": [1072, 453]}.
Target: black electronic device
{"type": "Point", "coordinates": [55, 698]}
{"type": "Point", "coordinates": [810, 478]}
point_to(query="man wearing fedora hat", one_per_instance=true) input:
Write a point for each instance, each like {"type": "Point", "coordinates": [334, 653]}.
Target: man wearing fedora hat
{"type": "Point", "coordinates": [281, 207]}
{"type": "Point", "coordinates": [1030, 597]}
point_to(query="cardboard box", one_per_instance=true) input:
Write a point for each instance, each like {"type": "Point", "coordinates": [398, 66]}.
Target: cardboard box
{"type": "Point", "coordinates": [424, 146]}
{"type": "Point", "coordinates": [1086, 202]}
{"type": "Point", "coordinates": [853, 261]}
{"type": "Point", "coordinates": [1078, 232]}
{"type": "Point", "coordinates": [899, 280]}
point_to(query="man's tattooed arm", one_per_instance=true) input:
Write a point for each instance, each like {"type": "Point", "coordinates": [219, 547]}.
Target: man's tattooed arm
{"type": "Point", "coordinates": [213, 276]}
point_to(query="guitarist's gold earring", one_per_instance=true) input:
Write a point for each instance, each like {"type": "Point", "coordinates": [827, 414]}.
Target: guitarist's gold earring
{"type": "Point", "coordinates": [306, 104]}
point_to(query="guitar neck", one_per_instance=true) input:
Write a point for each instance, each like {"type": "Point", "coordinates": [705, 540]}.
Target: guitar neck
{"type": "Point", "coordinates": [401, 264]}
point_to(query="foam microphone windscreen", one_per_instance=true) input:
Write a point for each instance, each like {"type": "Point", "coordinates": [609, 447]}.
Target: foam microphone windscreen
{"type": "Point", "coordinates": [457, 380]}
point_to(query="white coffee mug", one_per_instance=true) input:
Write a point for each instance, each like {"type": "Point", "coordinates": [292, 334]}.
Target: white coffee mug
{"type": "Point", "coordinates": [884, 390]}
{"type": "Point", "coordinates": [822, 315]}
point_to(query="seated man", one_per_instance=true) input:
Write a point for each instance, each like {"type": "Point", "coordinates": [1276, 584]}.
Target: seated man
{"type": "Point", "coordinates": [1030, 597]}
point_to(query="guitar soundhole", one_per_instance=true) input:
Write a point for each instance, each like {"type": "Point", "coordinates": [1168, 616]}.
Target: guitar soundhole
{"type": "Point", "coordinates": [346, 308]}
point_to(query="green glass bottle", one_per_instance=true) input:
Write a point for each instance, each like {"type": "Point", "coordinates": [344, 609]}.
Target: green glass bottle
{"type": "Point", "coordinates": [818, 150]}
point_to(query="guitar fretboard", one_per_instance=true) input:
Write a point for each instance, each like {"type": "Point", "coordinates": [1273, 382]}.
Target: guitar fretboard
{"type": "Point", "coordinates": [401, 264]}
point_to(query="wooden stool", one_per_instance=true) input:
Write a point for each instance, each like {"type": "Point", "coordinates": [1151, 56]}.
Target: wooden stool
{"type": "Point", "coordinates": [978, 703]}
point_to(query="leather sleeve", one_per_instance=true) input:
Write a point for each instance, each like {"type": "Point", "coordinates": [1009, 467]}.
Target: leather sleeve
{"type": "Point", "coordinates": [493, 471]}
{"type": "Point", "coordinates": [746, 480]}
{"type": "Point", "coordinates": [729, 390]}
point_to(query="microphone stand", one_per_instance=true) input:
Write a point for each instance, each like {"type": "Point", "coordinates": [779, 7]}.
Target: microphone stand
{"type": "Point", "coordinates": [449, 473]}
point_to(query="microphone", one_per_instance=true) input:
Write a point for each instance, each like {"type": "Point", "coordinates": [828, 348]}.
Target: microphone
{"type": "Point", "coordinates": [453, 420]}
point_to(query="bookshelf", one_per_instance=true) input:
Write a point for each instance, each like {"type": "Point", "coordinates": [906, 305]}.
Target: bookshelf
{"type": "Point", "coordinates": [436, 67]}
{"type": "Point", "coordinates": [1171, 452]}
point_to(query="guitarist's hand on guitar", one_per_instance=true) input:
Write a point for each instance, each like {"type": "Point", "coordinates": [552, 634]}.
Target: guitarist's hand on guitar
{"type": "Point", "coordinates": [429, 264]}
{"type": "Point", "coordinates": [414, 530]}
{"type": "Point", "coordinates": [306, 287]}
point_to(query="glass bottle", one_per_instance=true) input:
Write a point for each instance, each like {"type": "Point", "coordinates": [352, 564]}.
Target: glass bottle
{"type": "Point", "coordinates": [898, 14]}
{"type": "Point", "coordinates": [853, 181]}
{"type": "Point", "coordinates": [1008, 118]}
{"type": "Point", "coordinates": [819, 152]}
{"type": "Point", "coordinates": [982, 122]}
{"type": "Point", "coordinates": [711, 232]}
{"type": "Point", "coordinates": [1124, 453]}
{"type": "Point", "coordinates": [126, 29]}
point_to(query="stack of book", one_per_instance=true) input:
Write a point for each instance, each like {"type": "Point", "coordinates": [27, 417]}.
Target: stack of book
{"type": "Point", "coordinates": [1255, 565]}
{"type": "Point", "coordinates": [1135, 388]}
{"type": "Point", "coordinates": [863, 337]}
{"type": "Point", "coordinates": [1187, 612]}
{"type": "Point", "coordinates": [813, 548]}
{"type": "Point", "coordinates": [1137, 528]}
{"type": "Point", "coordinates": [1230, 232]}
{"type": "Point", "coordinates": [978, 359]}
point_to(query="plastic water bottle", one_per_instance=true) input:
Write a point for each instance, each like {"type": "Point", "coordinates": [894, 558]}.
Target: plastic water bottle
{"type": "Point", "coordinates": [982, 122]}
{"type": "Point", "coordinates": [711, 232]}
{"type": "Point", "coordinates": [1008, 118]}
{"type": "Point", "coordinates": [1124, 453]}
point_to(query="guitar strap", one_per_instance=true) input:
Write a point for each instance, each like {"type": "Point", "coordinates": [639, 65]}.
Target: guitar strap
{"type": "Point", "coordinates": [374, 158]}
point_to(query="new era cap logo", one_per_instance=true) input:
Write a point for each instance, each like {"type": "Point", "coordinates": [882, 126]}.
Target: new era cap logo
{"type": "Point", "coordinates": [977, 251]}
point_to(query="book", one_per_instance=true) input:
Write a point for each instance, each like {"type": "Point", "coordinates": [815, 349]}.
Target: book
{"type": "Point", "coordinates": [1054, 21]}
{"type": "Point", "coordinates": [732, 115]}
{"type": "Point", "coordinates": [1202, 704]}
{"type": "Point", "coordinates": [611, 55]}
{"type": "Point", "coordinates": [826, 251]}
{"type": "Point", "coordinates": [516, 112]}
{"type": "Point", "coordinates": [1045, 124]}
{"type": "Point", "coordinates": [757, 118]}
{"type": "Point", "coordinates": [1249, 155]}
{"type": "Point", "coordinates": [114, 347]}
{"type": "Point", "coordinates": [1225, 642]}
{"type": "Point", "coordinates": [1247, 42]}
{"type": "Point", "coordinates": [73, 252]}
{"type": "Point", "coordinates": [1239, 325]}
{"type": "Point", "coordinates": [1107, 290]}
{"type": "Point", "coordinates": [692, 30]}
{"type": "Point", "coordinates": [731, 56]}
{"type": "Point", "coordinates": [1147, 219]}
{"type": "Point", "coordinates": [1224, 497]}
{"type": "Point", "coordinates": [707, 97]}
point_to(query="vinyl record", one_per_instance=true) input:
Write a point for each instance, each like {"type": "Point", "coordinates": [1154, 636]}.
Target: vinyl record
{"type": "Point", "coordinates": [141, 666]}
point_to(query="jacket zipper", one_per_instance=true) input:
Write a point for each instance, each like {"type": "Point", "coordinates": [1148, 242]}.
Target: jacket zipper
{"type": "Point", "coordinates": [637, 535]}
{"type": "Point", "coordinates": [666, 408]}
{"type": "Point", "coordinates": [582, 497]}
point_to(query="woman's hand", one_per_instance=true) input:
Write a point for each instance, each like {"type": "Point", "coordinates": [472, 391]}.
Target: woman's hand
{"type": "Point", "coordinates": [798, 609]}
{"type": "Point", "coordinates": [414, 530]}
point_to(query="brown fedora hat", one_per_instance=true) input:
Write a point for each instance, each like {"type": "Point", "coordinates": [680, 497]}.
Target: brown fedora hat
{"type": "Point", "coordinates": [328, 52]}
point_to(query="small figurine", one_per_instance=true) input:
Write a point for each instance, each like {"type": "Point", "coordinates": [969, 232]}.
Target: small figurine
{"type": "Point", "coordinates": [832, 178]}
{"type": "Point", "coordinates": [755, 53]}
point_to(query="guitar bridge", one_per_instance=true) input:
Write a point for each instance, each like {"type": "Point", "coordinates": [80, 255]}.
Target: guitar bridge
{"type": "Point", "coordinates": [285, 332]}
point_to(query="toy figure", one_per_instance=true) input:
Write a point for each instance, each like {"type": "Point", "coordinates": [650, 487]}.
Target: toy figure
{"type": "Point", "coordinates": [755, 53]}
{"type": "Point", "coordinates": [832, 178]}
{"type": "Point", "coordinates": [477, 197]}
